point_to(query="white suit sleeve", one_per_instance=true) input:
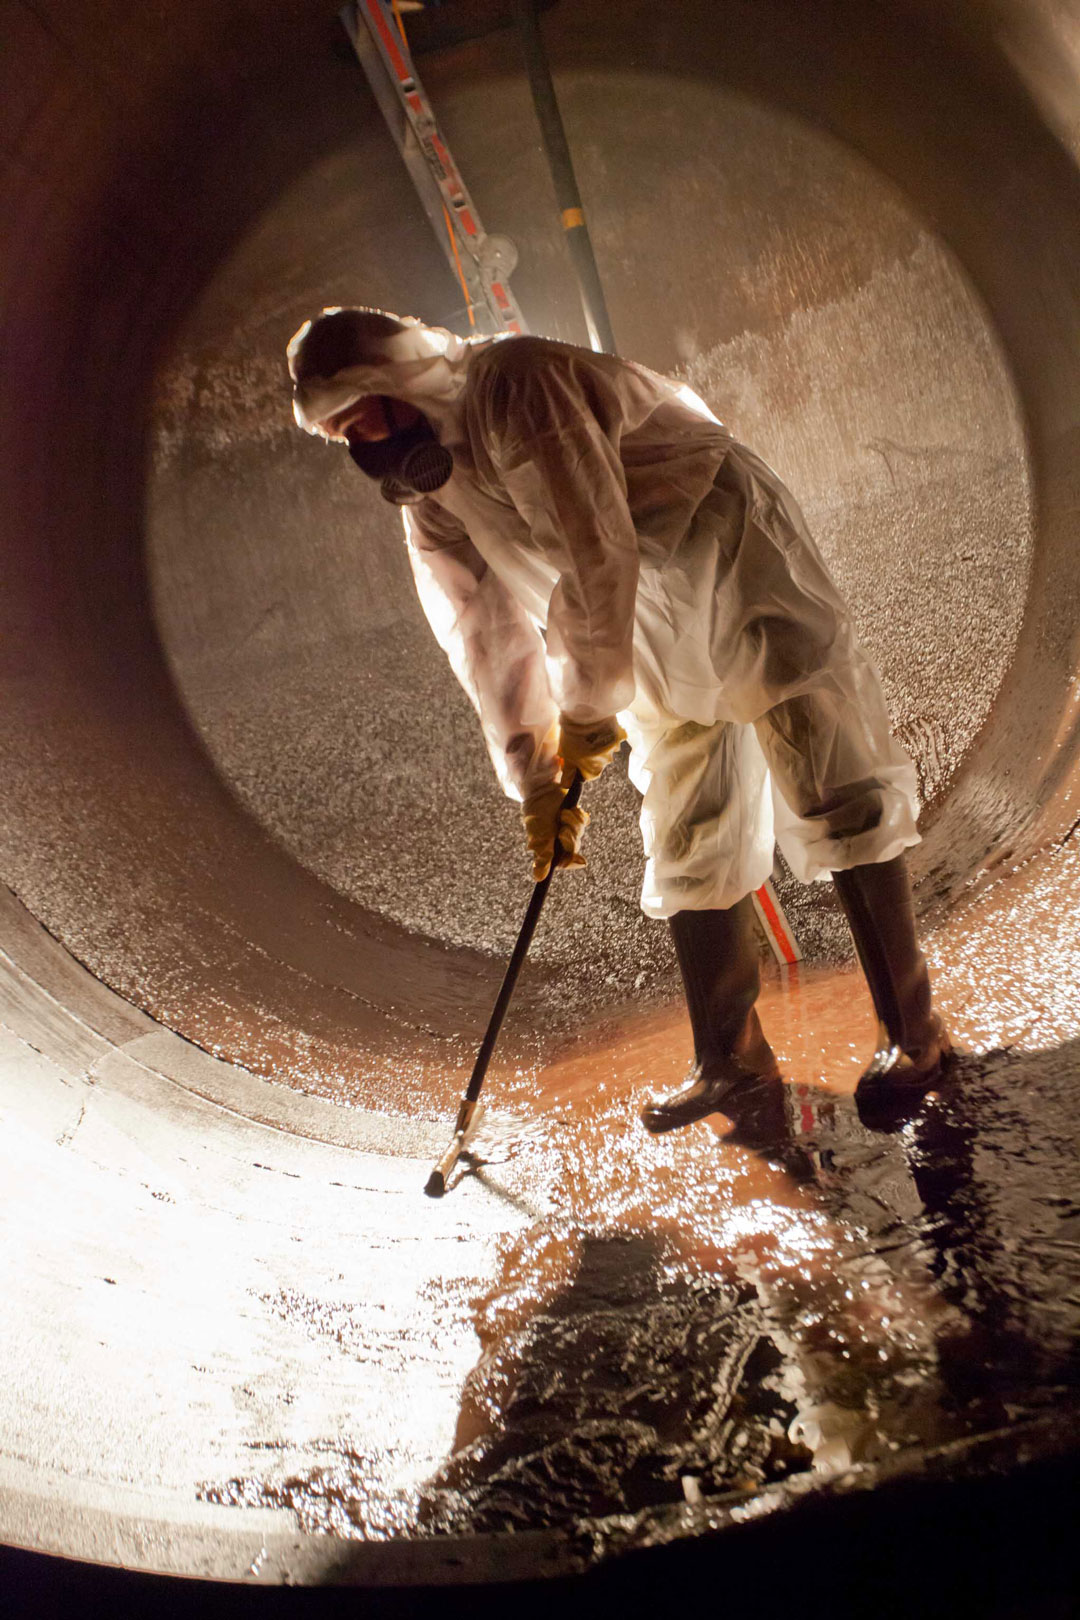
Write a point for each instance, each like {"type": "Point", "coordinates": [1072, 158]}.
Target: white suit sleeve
{"type": "Point", "coordinates": [551, 425]}
{"type": "Point", "coordinates": [494, 648]}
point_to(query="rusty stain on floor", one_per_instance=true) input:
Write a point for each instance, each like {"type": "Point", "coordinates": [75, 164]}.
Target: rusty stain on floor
{"type": "Point", "coordinates": [678, 1318]}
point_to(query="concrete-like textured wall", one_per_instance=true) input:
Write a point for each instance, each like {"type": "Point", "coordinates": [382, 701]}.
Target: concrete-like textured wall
{"type": "Point", "coordinates": [211, 156]}
{"type": "Point", "coordinates": [861, 366]}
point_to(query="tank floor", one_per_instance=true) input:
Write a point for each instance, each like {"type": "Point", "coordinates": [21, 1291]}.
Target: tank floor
{"type": "Point", "coordinates": [243, 1335]}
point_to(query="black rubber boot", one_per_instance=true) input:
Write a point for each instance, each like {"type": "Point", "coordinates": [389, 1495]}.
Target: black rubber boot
{"type": "Point", "coordinates": [734, 1065]}
{"type": "Point", "coordinates": [913, 1047]}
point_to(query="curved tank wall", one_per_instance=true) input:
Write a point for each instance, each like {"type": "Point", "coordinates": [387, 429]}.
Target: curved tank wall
{"type": "Point", "coordinates": [862, 367]}
{"type": "Point", "coordinates": [842, 228]}
{"type": "Point", "coordinates": [162, 884]}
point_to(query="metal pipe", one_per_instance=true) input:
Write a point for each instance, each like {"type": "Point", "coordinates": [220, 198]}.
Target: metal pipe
{"type": "Point", "coordinates": [562, 173]}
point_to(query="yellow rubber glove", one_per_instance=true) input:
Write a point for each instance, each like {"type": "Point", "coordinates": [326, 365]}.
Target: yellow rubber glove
{"type": "Point", "coordinates": [543, 817]}
{"type": "Point", "coordinates": [588, 745]}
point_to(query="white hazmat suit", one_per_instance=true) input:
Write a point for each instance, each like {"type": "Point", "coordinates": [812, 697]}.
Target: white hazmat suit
{"type": "Point", "coordinates": [605, 547]}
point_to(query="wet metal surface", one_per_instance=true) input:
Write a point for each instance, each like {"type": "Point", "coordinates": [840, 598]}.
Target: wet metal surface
{"type": "Point", "coordinates": [280, 1331]}
{"type": "Point", "coordinates": [1008, 958]}
{"type": "Point", "coordinates": [592, 1322]}
{"type": "Point", "coordinates": [669, 1321]}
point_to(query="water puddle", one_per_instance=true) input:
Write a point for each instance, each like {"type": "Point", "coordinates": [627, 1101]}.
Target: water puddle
{"type": "Point", "coordinates": [686, 1316]}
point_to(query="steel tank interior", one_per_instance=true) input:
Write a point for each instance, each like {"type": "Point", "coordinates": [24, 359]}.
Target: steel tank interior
{"type": "Point", "coordinates": [259, 883]}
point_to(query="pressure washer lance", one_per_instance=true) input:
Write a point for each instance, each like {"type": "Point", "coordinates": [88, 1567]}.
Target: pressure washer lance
{"type": "Point", "coordinates": [467, 1113]}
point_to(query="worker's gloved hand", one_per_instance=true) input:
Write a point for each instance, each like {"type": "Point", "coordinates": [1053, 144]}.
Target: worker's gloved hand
{"type": "Point", "coordinates": [588, 745]}
{"type": "Point", "coordinates": [545, 819]}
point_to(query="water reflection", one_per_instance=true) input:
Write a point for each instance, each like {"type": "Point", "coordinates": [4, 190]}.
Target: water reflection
{"type": "Point", "coordinates": [727, 1307]}
{"type": "Point", "coordinates": [751, 1298]}
{"type": "Point", "coordinates": [637, 1376]}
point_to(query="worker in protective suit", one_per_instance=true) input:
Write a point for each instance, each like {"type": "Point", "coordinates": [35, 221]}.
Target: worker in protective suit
{"type": "Point", "coordinates": [602, 561]}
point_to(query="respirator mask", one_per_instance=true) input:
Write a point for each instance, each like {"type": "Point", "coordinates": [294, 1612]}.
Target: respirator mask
{"type": "Point", "coordinates": [409, 464]}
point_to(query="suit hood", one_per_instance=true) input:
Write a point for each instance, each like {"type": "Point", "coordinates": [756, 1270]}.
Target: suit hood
{"type": "Point", "coordinates": [426, 366]}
